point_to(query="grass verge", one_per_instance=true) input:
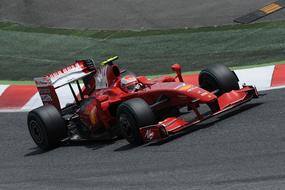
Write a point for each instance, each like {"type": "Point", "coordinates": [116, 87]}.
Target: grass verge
{"type": "Point", "coordinates": [26, 52]}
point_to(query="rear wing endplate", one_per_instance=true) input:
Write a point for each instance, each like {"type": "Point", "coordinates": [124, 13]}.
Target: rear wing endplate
{"type": "Point", "coordinates": [48, 84]}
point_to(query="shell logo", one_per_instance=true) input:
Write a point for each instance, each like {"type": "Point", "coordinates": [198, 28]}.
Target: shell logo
{"type": "Point", "coordinates": [186, 87]}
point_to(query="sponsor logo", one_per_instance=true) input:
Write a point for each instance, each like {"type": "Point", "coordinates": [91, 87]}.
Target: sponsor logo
{"type": "Point", "coordinates": [66, 71]}
{"type": "Point", "coordinates": [42, 82]}
{"type": "Point", "coordinates": [186, 87]}
{"type": "Point", "coordinates": [192, 88]}
{"type": "Point", "coordinates": [149, 134]}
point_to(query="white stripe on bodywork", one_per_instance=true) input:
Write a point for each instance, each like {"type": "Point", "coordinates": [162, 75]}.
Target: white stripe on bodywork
{"type": "Point", "coordinates": [260, 77]}
{"type": "Point", "coordinates": [3, 88]}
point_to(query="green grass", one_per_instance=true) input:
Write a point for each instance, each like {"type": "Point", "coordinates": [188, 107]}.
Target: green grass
{"type": "Point", "coordinates": [17, 82]}
{"type": "Point", "coordinates": [26, 52]}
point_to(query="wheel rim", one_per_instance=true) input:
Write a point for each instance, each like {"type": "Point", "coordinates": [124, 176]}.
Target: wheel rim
{"type": "Point", "coordinates": [126, 126]}
{"type": "Point", "coordinates": [36, 131]}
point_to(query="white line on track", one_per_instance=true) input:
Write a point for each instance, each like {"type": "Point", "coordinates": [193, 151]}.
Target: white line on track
{"type": "Point", "coordinates": [33, 103]}
{"type": "Point", "coordinates": [260, 76]}
{"type": "Point", "coordinates": [3, 88]}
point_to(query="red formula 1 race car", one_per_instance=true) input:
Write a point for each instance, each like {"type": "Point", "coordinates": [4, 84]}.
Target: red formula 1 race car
{"type": "Point", "coordinates": [109, 102]}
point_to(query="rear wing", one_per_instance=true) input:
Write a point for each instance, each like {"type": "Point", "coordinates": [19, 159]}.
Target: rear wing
{"type": "Point", "coordinates": [82, 69]}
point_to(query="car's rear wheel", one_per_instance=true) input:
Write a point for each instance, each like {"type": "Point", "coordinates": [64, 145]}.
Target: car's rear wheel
{"type": "Point", "coordinates": [132, 115]}
{"type": "Point", "coordinates": [218, 78]}
{"type": "Point", "coordinates": [46, 127]}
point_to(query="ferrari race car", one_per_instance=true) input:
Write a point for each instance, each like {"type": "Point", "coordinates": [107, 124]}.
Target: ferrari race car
{"type": "Point", "coordinates": [109, 102]}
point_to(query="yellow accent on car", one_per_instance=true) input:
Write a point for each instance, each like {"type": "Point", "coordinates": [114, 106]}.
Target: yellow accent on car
{"type": "Point", "coordinates": [186, 87]}
{"type": "Point", "coordinates": [109, 60]}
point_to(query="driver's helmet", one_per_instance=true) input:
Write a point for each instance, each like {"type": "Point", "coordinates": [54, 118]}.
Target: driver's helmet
{"type": "Point", "coordinates": [129, 83]}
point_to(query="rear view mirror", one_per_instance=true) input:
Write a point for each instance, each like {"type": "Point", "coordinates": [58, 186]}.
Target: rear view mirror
{"type": "Point", "coordinates": [177, 69]}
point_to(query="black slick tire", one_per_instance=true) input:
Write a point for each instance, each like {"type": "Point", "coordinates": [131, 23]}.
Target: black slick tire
{"type": "Point", "coordinates": [46, 127]}
{"type": "Point", "coordinates": [132, 115]}
{"type": "Point", "coordinates": [218, 77]}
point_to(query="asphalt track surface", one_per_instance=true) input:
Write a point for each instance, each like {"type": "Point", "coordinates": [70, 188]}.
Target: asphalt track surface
{"type": "Point", "coordinates": [243, 149]}
{"type": "Point", "coordinates": [129, 14]}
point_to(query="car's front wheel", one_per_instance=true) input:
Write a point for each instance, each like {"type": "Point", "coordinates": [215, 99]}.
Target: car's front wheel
{"type": "Point", "coordinates": [132, 115]}
{"type": "Point", "coordinates": [218, 77]}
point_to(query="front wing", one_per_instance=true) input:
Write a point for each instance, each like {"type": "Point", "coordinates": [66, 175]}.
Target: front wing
{"type": "Point", "coordinates": [173, 125]}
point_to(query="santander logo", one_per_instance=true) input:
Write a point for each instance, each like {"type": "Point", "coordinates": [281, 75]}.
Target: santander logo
{"type": "Point", "coordinates": [67, 70]}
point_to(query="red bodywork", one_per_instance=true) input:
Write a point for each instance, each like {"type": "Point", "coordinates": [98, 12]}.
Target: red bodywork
{"type": "Point", "coordinates": [174, 125]}
{"type": "Point", "coordinates": [97, 106]}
